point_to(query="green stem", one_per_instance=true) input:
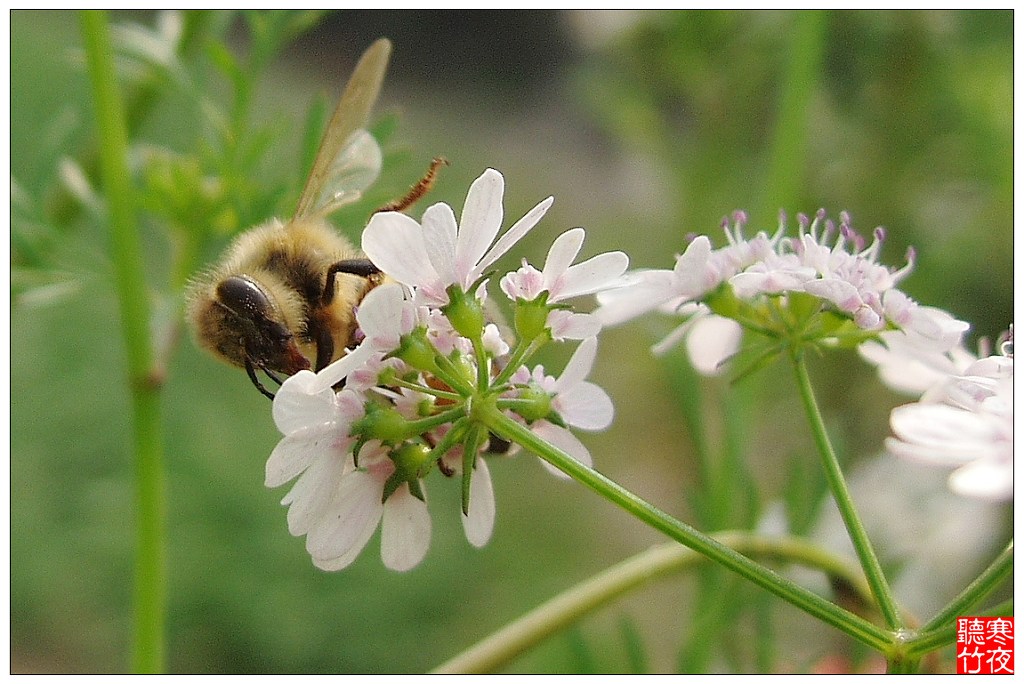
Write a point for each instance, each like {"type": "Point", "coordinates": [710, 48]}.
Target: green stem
{"type": "Point", "coordinates": [943, 636]}
{"type": "Point", "coordinates": [837, 483]}
{"type": "Point", "coordinates": [827, 612]}
{"type": "Point", "coordinates": [129, 281]}
{"type": "Point", "coordinates": [554, 615]}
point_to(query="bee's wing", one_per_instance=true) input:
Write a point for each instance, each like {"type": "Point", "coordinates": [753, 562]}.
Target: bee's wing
{"type": "Point", "coordinates": [349, 159]}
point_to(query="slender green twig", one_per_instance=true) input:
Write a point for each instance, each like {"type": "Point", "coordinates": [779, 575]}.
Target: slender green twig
{"type": "Point", "coordinates": [129, 281]}
{"type": "Point", "coordinates": [515, 638]}
{"type": "Point", "coordinates": [827, 612]}
{"type": "Point", "coordinates": [837, 484]}
{"type": "Point", "coordinates": [944, 635]}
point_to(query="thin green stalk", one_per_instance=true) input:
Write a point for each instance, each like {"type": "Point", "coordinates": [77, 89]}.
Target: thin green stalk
{"type": "Point", "coordinates": [943, 636]}
{"type": "Point", "coordinates": [129, 281]}
{"type": "Point", "coordinates": [837, 484]}
{"type": "Point", "coordinates": [827, 612]}
{"type": "Point", "coordinates": [989, 580]}
{"type": "Point", "coordinates": [554, 615]}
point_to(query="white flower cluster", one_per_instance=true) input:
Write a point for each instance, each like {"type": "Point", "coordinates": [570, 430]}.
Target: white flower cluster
{"type": "Point", "coordinates": [360, 454]}
{"type": "Point", "coordinates": [824, 260]}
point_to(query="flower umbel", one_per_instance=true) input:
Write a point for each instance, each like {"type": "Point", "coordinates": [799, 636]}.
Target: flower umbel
{"type": "Point", "coordinates": [430, 379]}
{"type": "Point", "coordinates": [822, 286]}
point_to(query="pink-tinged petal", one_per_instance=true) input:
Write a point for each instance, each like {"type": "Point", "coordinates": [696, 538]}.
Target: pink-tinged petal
{"type": "Point", "coordinates": [512, 236]}
{"type": "Point", "coordinates": [564, 440]}
{"type": "Point", "coordinates": [312, 493]}
{"type": "Point", "coordinates": [593, 274]}
{"type": "Point", "coordinates": [405, 531]}
{"type": "Point", "coordinates": [586, 406]}
{"type": "Point", "coordinates": [334, 372]}
{"type": "Point", "coordinates": [302, 402]}
{"type": "Point", "coordinates": [295, 452]}
{"type": "Point", "coordinates": [440, 234]}
{"type": "Point", "coordinates": [579, 365]}
{"type": "Point", "coordinates": [562, 253]}
{"type": "Point", "coordinates": [479, 524]}
{"type": "Point", "coordinates": [566, 325]}
{"type": "Point", "coordinates": [839, 292]}
{"type": "Point", "coordinates": [355, 506]}
{"type": "Point", "coordinates": [480, 221]}
{"type": "Point", "coordinates": [394, 243]}
{"type": "Point", "coordinates": [712, 341]}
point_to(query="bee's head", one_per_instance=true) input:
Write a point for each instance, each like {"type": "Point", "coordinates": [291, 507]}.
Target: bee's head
{"type": "Point", "coordinates": [244, 324]}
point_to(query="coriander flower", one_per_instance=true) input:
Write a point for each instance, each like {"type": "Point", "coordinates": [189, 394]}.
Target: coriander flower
{"type": "Point", "coordinates": [432, 383]}
{"type": "Point", "coordinates": [823, 285]}
{"type": "Point", "coordinates": [440, 252]}
{"type": "Point", "coordinates": [965, 422]}
{"type": "Point", "coordinates": [561, 280]}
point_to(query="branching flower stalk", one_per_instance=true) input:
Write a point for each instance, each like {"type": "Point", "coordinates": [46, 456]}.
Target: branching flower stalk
{"type": "Point", "coordinates": [434, 386]}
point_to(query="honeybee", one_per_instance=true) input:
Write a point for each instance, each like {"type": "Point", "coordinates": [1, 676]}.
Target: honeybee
{"type": "Point", "coordinates": [281, 300]}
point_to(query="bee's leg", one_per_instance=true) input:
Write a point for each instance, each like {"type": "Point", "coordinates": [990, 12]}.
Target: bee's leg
{"type": "Point", "coordinates": [417, 191]}
{"type": "Point", "coordinates": [324, 346]}
{"type": "Point", "coordinates": [363, 268]}
{"type": "Point", "coordinates": [251, 371]}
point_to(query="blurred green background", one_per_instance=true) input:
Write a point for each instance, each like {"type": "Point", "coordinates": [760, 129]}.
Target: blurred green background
{"type": "Point", "coordinates": [645, 126]}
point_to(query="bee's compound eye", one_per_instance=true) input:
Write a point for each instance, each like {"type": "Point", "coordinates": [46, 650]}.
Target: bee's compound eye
{"type": "Point", "coordinates": [243, 296]}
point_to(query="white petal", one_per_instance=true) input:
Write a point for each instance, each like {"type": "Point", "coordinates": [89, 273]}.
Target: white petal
{"type": "Point", "coordinates": [405, 531]}
{"type": "Point", "coordinates": [513, 235]}
{"type": "Point", "coordinates": [394, 243]}
{"type": "Point", "coordinates": [345, 559]}
{"type": "Point", "coordinates": [941, 434]}
{"type": "Point", "coordinates": [586, 406]}
{"type": "Point", "coordinates": [839, 292]}
{"type": "Point", "coordinates": [440, 233]}
{"type": "Point", "coordinates": [564, 440]}
{"type": "Point", "coordinates": [312, 493]}
{"type": "Point", "coordinates": [480, 221]}
{"type": "Point", "coordinates": [380, 312]}
{"type": "Point", "coordinates": [690, 274]}
{"type": "Point", "coordinates": [578, 366]}
{"type": "Point", "coordinates": [562, 253]}
{"type": "Point", "coordinates": [711, 342]}
{"type": "Point", "coordinates": [987, 478]}
{"type": "Point", "coordinates": [294, 453]}
{"type": "Point", "coordinates": [566, 325]}
{"type": "Point", "coordinates": [300, 403]}
{"type": "Point", "coordinates": [593, 274]}
{"type": "Point", "coordinates": [479, 524]}
{"type": "Point", "coordinates": [646, 292]}
{"type": "Point", "coordinates": [355, 506]}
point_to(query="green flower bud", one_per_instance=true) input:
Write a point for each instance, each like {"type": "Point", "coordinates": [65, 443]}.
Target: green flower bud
{"type": "Point", "coordinates": [465, 313]}
{"type": "Point", "coordinates": [531, 317]}
{"type": "Point", "coordinates": [533, 404]}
